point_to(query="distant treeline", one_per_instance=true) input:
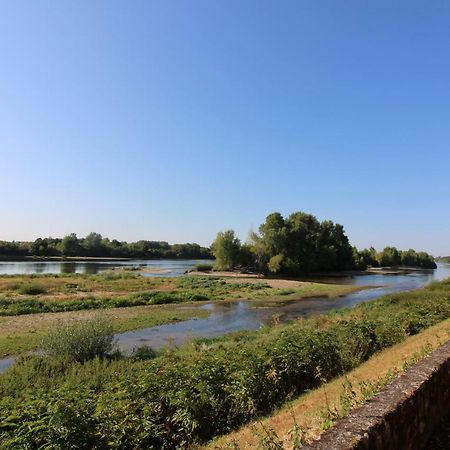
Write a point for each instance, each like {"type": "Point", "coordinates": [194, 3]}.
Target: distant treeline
{"type": "Point", "coordinates": [391, 257]}
{"type": "Point", "coordinates": [301, 244]}
{"type": "Point", "coordinates": [444, 259]}
{"type": "Point", "coordinates": [294, 245]}
{"type": "Point", "coordinates": [94, 245]}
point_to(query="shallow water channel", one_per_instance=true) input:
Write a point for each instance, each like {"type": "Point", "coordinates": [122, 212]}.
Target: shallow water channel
{"type": "Point", "coordinates": [245, 315]}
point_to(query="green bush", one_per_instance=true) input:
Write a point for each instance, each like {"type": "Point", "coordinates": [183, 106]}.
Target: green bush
{"type": "Point", "coordinates": [202, 267]}
{"type": "Point", "coordinates": [32, 289]}
{"type": "Point", "coordinates": [143, 353]}
{"type": "Point", "coordinates": [80, 340]}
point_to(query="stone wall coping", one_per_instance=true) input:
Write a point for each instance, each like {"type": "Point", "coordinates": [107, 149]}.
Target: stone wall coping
{"type": "Point", "coordinates": [401, 416]}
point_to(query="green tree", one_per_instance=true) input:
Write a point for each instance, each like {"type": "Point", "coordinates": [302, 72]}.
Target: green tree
{"type": "Point", "coordinates": [93, 244]}
{"type": "Point", "coordinates": [226, 249]}
{"type": "Point", "coordinates": [301, 244]}
{"type": "Point", "coordinates": [271, 241]}
{"type": "Point", "coordinates": [70, 245]}
{"type": "Point", "coordinates": [390, 257]}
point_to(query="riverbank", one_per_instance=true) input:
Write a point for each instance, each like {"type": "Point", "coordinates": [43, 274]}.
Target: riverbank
{"type": "Point", "coordinates": [19, 334]}
{"type": "Point", "coordinates": [31, 304]}
{"type": "Point", "coordinates": [198, 389]}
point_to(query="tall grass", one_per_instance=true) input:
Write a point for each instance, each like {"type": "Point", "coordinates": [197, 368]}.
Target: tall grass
{"type": "Point", "coordinates": [32, 289]}
{"type": "Point", "coordinates": [80, 340]}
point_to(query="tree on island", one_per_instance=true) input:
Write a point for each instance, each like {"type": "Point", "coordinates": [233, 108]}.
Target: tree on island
{"type": "Point", "coordinates": [226, 249]}
{"type": "Point", "coordinates": [301, 244]}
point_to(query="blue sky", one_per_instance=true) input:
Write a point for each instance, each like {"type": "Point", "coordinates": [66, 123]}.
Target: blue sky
{"type": "Point", "coordinates": [173, 120]}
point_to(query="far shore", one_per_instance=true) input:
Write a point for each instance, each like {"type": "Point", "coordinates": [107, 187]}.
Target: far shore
{"type": "Point", "coordinates": [90, 258]}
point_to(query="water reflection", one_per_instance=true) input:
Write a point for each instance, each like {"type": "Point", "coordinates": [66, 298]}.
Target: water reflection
{"type": "Point", "coordinates": [152, 268]}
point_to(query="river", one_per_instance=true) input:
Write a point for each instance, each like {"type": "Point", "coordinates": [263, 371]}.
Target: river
{"type": "Point", "coordinates": [245, 315]}
{"type": "Point", "coordinates": [152, 267]}
{"type": "Point", "coordinates": [241, 315]}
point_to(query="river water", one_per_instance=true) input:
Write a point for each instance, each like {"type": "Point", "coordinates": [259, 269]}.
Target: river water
{"type": "Point", "coordinates": [245, 315]}
{"type": "Point", "coordinates": [150, 267]}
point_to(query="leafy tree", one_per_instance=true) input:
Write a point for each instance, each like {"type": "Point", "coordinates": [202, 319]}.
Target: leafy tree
{"type": "Point", "coordinates": [70, 245]}
{"type": "Point", "coordinates": [301, 244]}
{"type": "Point", "coordinates": [271, 240]}
{"type": "Point", "coordinates": [275, 263]}
{"type": "Point", "coordinates": [93, 244]}
{"type": "Point", "coordinates": [390, 257]}
{"type": "Point", "coordinates": [359, 260]}
{"type": "Point", "coordinates": [226, 249]}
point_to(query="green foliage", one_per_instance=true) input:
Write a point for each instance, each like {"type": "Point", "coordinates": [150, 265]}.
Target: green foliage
{"type": "Point", "coordinates": [70, 245]}
{"type": "Point", "coordinates": [301, 244]}
{"type": "Point", "coordinates": [30, 306]}
{"type": "Point", "coordinates": [32, 289]}
{"type": "Point", "coordinates": [187, 289]}
{"type": "Point", "coordinates": [143, 353]}
{"type": "Point", "coordinates": [274, 264]}
{"type": "Point", "coordinates": [96, 246]}
{"type": "Point", "coordinates": [80, 341]}
{"type": "Point", "coordinates": [226, 249]}
{"type": "Point", "coordinates": [421, 259]}
{"type": "Point", "coordinates": [188, 395]}
{"type": "Point", "coordinates": [203, 267]}
{"type": "Point", "coordinates": [391, 257]}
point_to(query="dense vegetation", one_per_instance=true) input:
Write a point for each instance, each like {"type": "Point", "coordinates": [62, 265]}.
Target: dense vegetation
{"type": "Point", "coordinates": [188, 395]}
{"type": "Point", "coordinates": [444, 259]}
{"type": "Point", "coordinates": [80, 341]}
{"type": "Point", "coordinates": [301, 244]}
{"type": "Point", "coordinates": [392, 257]}
{"type": "Point", "coordinates": [94, 245]}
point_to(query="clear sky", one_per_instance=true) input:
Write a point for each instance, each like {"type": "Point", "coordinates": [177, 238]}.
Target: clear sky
{"type": "Point", "coordinates": [172, 120]}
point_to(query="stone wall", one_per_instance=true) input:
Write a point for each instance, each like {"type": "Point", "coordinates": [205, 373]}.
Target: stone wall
{"type": "Point", "coordinates": [402, 416]}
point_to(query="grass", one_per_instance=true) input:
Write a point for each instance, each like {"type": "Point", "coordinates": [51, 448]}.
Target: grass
{"type": "Point", "coordinates": [184, 397]}
{"type": "Point", "coordinates": [32, 289]}
{"type": "Point", "coordinates": [24, 333]}
{"type": "Point", "coordinates": [80, 340]}
{"type": "Point", "coordinates": [21, 295]}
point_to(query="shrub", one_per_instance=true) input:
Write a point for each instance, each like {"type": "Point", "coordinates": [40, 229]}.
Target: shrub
{"type": "Point", "coordinates": [143, 353]}
{"type": "Point", "coordinates": [202, 267]}
{"type": "Point", "coordinates": [80, 340]}
{"type": "Point", "coordinates": [32, 289]}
